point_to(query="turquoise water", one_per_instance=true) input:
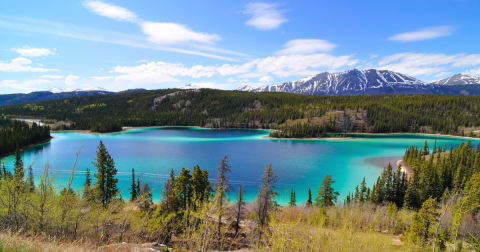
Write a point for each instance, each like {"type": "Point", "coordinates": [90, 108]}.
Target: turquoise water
{"type": "Point", "coordinates": [300, 164]}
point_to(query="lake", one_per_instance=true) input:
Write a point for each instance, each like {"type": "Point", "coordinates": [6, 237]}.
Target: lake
{"type": "Point", "coordinates": [300, 164]}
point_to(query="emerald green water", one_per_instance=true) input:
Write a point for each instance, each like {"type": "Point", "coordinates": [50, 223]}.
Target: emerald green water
{"type": "Point", "coordinates": [300, 164]}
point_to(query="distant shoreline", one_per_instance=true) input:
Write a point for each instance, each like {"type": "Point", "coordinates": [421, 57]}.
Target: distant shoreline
{"type": "Point", "coordinates": [126, 128]}
{"type": "Point", "coordinates": [26, 147]}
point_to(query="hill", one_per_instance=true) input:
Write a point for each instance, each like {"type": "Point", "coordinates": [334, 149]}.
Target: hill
{"type": "Point", "coordinates": [302, 115]}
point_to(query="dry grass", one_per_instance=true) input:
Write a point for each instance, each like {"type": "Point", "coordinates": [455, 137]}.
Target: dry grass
{"type": "Point", "coordinates": [12, 242]}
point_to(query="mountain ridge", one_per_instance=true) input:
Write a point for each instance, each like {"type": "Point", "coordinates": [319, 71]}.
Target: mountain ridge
{"type": "Point", "coordinates": [367, 81]}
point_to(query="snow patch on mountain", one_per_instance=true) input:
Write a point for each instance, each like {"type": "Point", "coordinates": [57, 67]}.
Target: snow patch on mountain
{"type": "Point", "coordinates": [458, 79]}
{"type": "Point", "coordinates": [65, 90]}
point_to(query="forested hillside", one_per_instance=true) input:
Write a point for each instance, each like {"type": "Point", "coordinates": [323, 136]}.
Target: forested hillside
{"type": "Point", "coordinates": [15, 134]}
{"type": "Point", "coordinates": [295, 115]}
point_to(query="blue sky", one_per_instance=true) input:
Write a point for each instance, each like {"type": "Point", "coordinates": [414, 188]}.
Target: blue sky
{"type": "Point", "coordinates": [158, 44]}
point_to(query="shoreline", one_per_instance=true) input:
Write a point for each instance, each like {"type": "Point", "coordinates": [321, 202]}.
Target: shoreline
{"type": "Point", "coordinates": [26, 147]}
{"type": "Point", "coordinates": [126, 128]}
{"type": "Point", "coordinates": [404, 168]}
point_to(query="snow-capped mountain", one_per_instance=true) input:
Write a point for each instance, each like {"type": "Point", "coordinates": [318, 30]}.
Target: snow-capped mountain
{"type": "Point", "coordinates": [458, 79]}
{"type": "Point", "coordinates": [65, 90]}
{"type": "Point", "coordinates": [60, 90]}
{"type": "Point", "coordinates": [351, 82]}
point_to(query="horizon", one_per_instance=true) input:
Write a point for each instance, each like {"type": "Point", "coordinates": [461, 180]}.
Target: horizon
{"type": "Point", "coordinates": [120, 45]}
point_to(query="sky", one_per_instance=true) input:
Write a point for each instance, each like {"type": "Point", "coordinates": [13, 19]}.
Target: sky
{"type": "Point", "coordinates": [157, 44]}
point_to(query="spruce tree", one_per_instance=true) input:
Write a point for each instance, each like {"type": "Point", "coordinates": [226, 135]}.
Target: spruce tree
{"type": "Point", "coordinates": [326, 195]}
{"type": "Point", "coordinates": [31, 180]}
{"type": "Point", "coordinates": [239, 207]}
{"type": "Point", "coordinates": [87, 185]}
{"type": "Point", "coordinates": [106, 183]}
{"type": "Point", "coordinates": [133, 187]}
{"type": "Point", "coordinates": [293, 200]}
{"type": "Point", "coordinates": [266, 197]}
{"type": "Point", "coordinates": [222, 187]}
{"type": "Point", "coordinates": [183, 189]}
{"type": "Point", "coordinates": [363, 190]}
{"type": "Point", "coordinates": [18, 170]}
{"type": "Point", "coordinates": [309, 200]}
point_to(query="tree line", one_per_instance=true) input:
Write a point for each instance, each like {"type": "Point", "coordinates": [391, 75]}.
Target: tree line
{"type": "Point", "coordinates": [446, 114]}
{"type": "Point", "coordinates": [16, 134]}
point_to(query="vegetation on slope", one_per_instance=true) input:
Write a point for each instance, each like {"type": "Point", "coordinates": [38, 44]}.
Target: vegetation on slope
{"type": "Point", "coordinates": [295, 115]}
{"type": "Point", "coordinates": [195, 215]}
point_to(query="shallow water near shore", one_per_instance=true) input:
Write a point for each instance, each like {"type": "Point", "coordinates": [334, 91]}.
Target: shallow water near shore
{"type": "Point", "coordinates": [300, 164]}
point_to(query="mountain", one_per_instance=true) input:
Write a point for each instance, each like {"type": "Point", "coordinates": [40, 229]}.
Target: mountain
{"type": "Point", "coordinates": [54, 93]}
{"type": "Point", "coordinates": [458, 79]}
{"type": "Point", "coordinates": [351, 82]}
{"type": "Point", "coordinates": [371, 81]}
{"type": "Point", "coordinates": [66, 90]}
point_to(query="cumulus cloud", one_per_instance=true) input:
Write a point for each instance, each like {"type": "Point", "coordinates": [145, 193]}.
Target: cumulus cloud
{"type": "Point", "coordinates": [426, 64]}
{"type": "Point", "coordinates": [424, 34]}
{"type": "Point", "coordinates": [102, 77]}
{"type": "Point", "coordinates": [473, 72]}
{"type": "Point", "coordinates": [33, 52]}
{"type": "Point", "coordinates": [52, 76]}
{"type": "Point", "coordinates": [171, 33]}
{"type": "Point", "coordinates": [281, 66]}
{"type": "Point", "coordinates": [264, 16]}
{"type": "Point", "coordinates": [25, 85]}
{"type": "Point", "coordinates": [306, 46]}
{"type": "Point", "coordinates": [21, 65]}
{"type": "Point", "coordinates": [110, 11]}
{"type": "Point", "coordinates": [70, 80]}
{"type": "Point", "coordinates": [266, 79]}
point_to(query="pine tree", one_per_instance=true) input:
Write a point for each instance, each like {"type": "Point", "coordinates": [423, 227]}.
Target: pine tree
{"type": "Point", "coordinates": [133, 187]}
{"type": "Point", "coordinates": [31, 180]}
{"type": "Point", "coordinates": [309, 200]}
{"type": "Point", "coordinates": [363, 190]}
{"type": "Point", "coordinates": [423, 223]}
{"type": "Point", "coordinates": [222, 187]}
{"type": "Point", "coordinates": [168, 197]}
{"type": "Point", "coordinates": [106, 183]}
{"type": "Point", "coordinates": [266, 197]}
{"type": "Point", "coordinates": [326, 195]}
{"type": "Point", "coordinates": [293, 200]}
{"type": "Point", "coordinates": [18, 170]}
{"type": "Point", "coordinates": [87, 186]}
{"type": "Point", "coordinates": [239, 207]}
{"type": "Point", "coordinates": [182, 189]}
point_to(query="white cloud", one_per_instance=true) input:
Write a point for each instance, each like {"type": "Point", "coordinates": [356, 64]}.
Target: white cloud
{"type": "Point", "coordinates": [423, 34]}
{"type": "Point", "coordinates": [89, 34]}
{"type": "Point", "coordinates": [442, 74]}
{"type": "Point", "coordinates": [52, 76]}
{"type": "Point", "coordinates": [426, 64]}
{"type": "Point", "coordinates": [373, 56]}
{"type": "Point", "coordinates": [473, 72]}
{"type": "Point", "coordinates": [21, 65]}
{"type": "Point", "coordinates": [231, 80]}
{"type": "Point", "coordinates": [282, 66]}
{"type": "Point", "coordinates": [70, 80]}
{"type": "Point", "coordinates": [264, 16]}
{"type": "Point", "coordinates": [102, 77]}
{"type": "Point", "coordinates": [306, 46]}
{"type": "Point", "coordinates": [26, 85]}
{"type": "Point", "coordinates": [171, 33]}
{"type": "Point", "coordinates": [266, 79]}
{"type": "Point", "coordinates": [33, 52]}
{"type": "Point", "coordinates": [110, 11]}
{"type": "Point", "coordinates": [212, 85]}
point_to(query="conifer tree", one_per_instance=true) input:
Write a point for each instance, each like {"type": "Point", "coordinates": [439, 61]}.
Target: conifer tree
{"type": "Point", "coordinates": [106, 183]}
{"type": "Point", "coordinates": [423, 223]}
{"type": "Point", "coordinates": [326, 195]}
{"type": "Point", "coordinates": [31, 180]}
{"type": "Point", "coordinates": [293, 200]}
{"type": "Point", "coordinates": [87, 185]}
{"type": "Point", "coordinates": [239, 207]}
{"type": "Point", "coordinates": [18, 170]}
{"type": "Point", "coordinates": [363, 190]}
{"type": "Point", "coordinates": [168, 197]}
{"type": "Point", "coordinates": [182, 189]}
{"type": "Point", "coordinates": [266, 197]}
{"type": "Point", "coordinates": [133, 187]}
{"type": "Point", "coordinates": [222, 187]}
{"type": "Point", "coordinates": [309, 200]}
